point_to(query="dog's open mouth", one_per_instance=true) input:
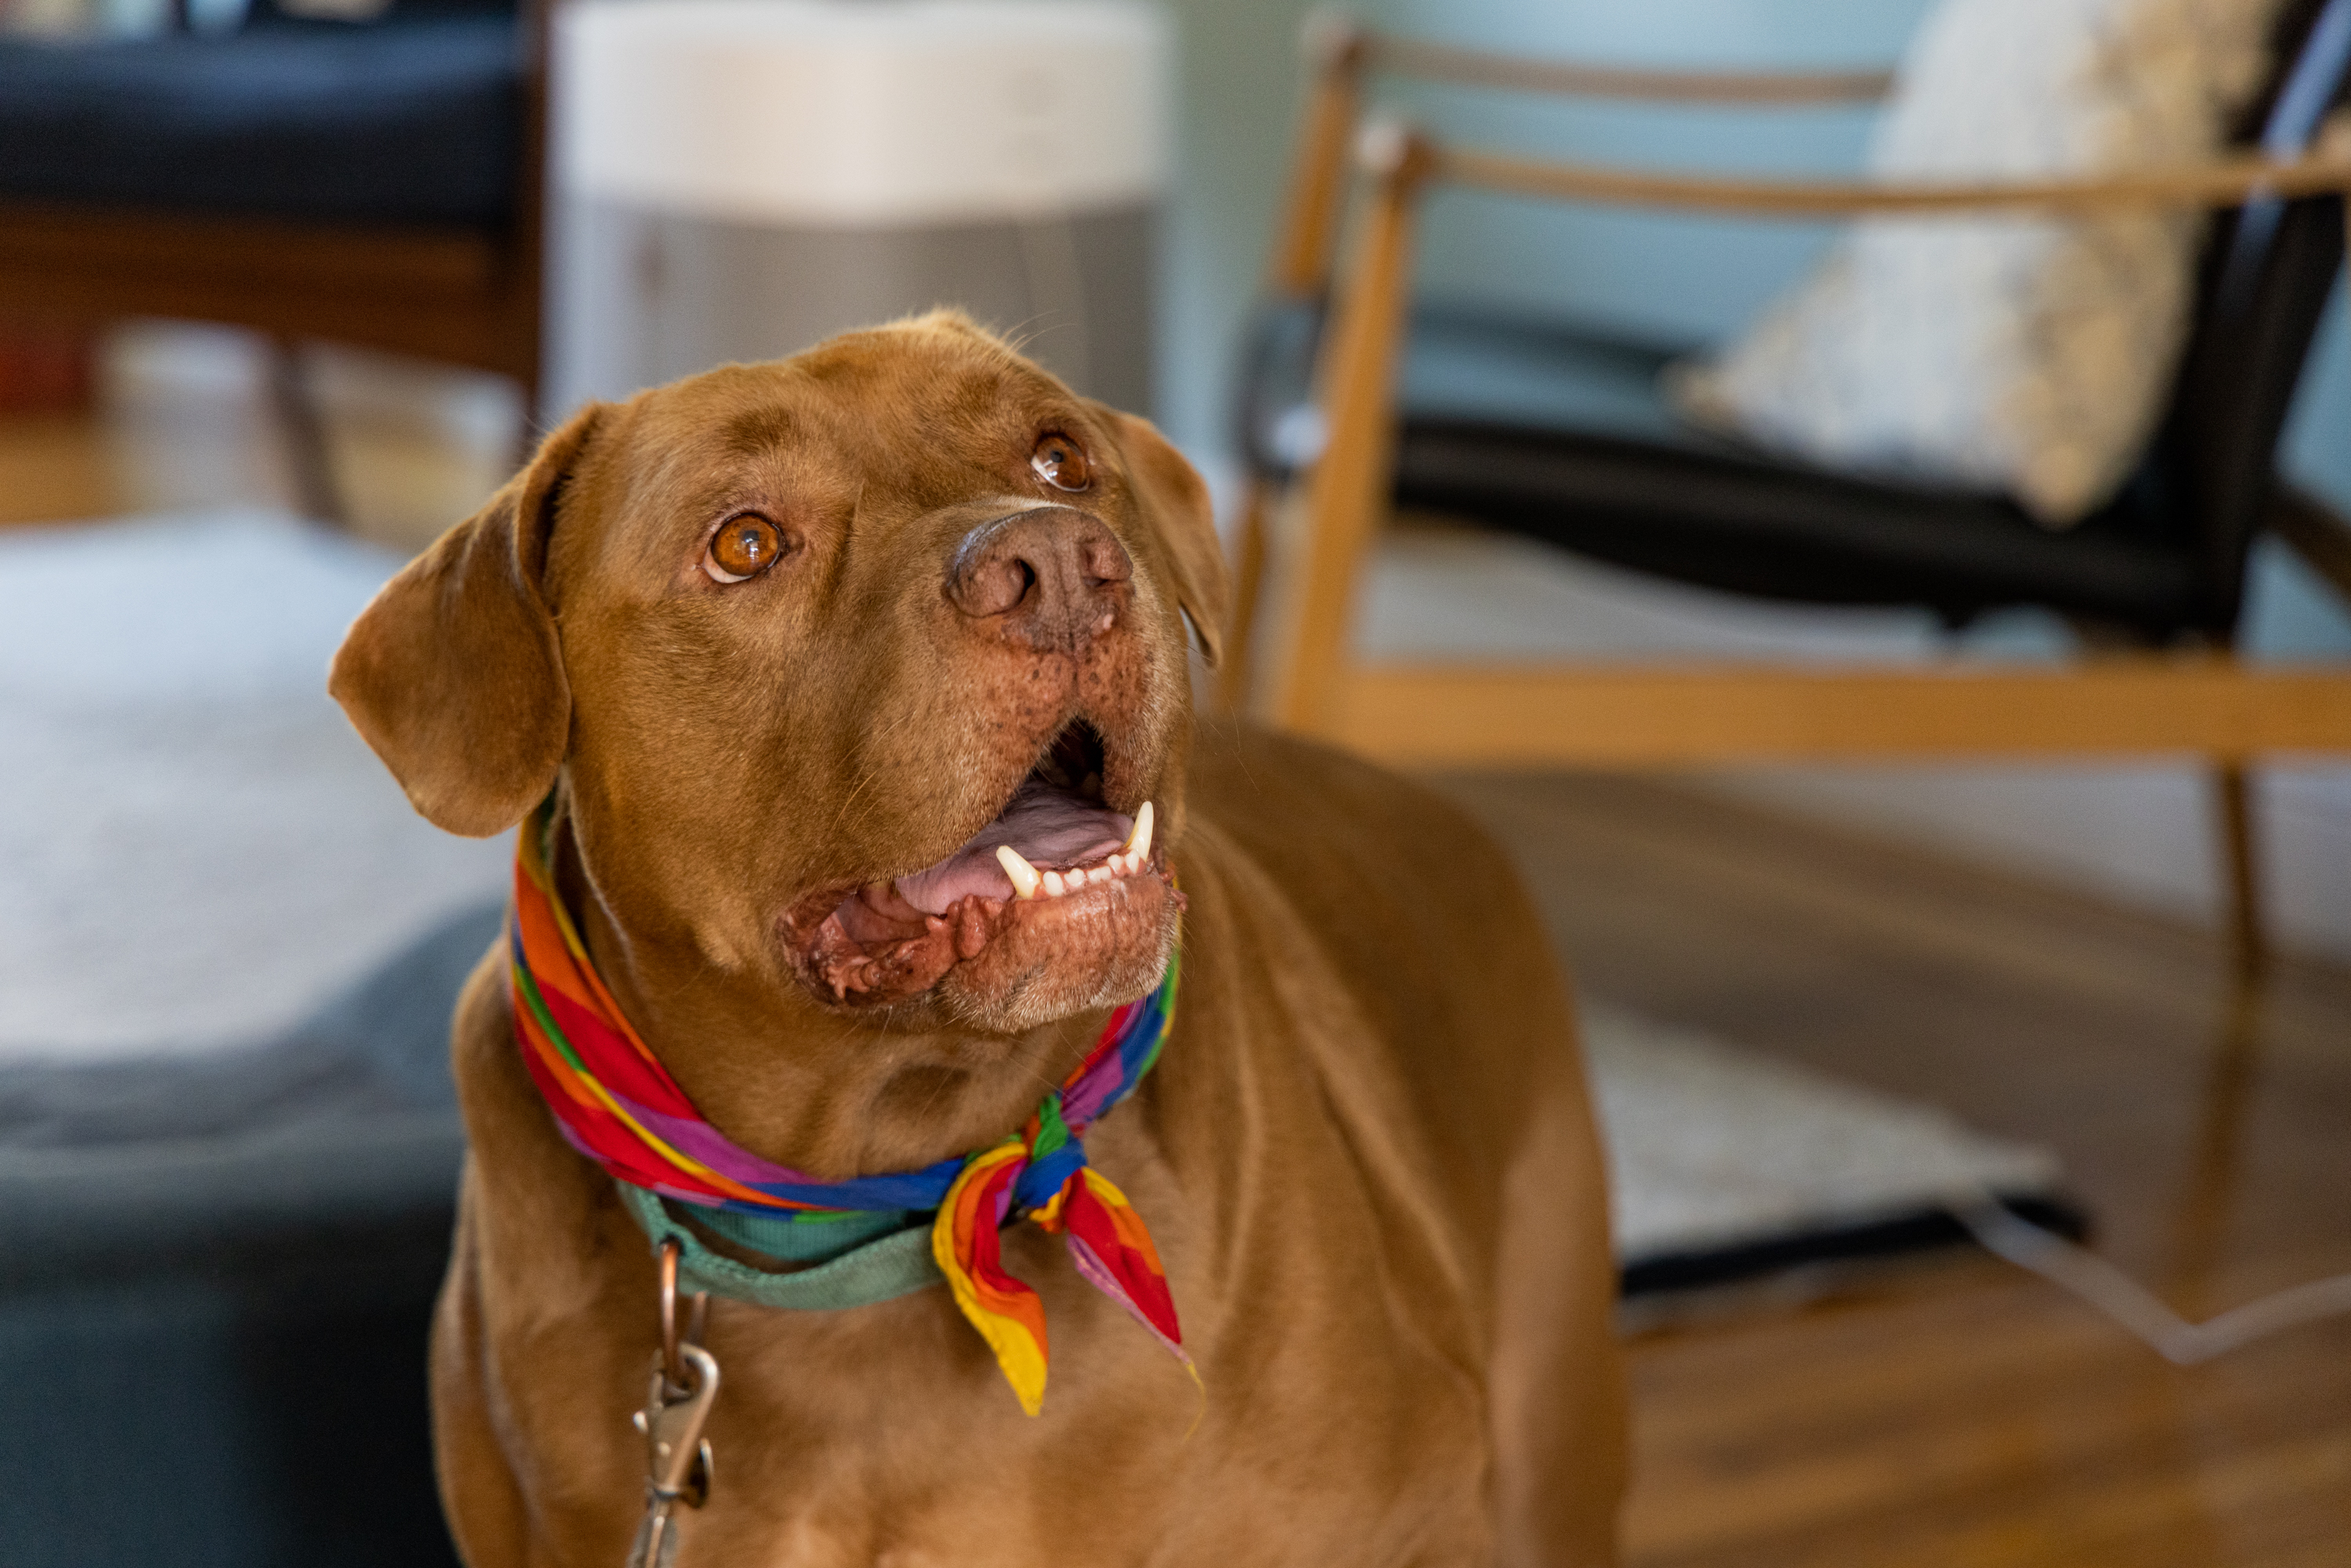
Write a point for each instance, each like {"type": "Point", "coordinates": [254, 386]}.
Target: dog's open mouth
{"type": "Point", "coordinates": [1053, 854]}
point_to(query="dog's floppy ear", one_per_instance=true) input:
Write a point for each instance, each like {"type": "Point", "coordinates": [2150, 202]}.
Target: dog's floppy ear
{"type": "Point", "coordinates": [1177, 500]}
{"type": "Point", "coordinates": [452, 672]}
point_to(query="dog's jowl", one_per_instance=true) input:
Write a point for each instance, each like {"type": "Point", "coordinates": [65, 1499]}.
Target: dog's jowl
{"type": "Point", "coordinates": [1104, 1136]}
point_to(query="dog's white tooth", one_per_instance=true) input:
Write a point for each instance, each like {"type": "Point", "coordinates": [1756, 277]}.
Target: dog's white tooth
{"type": "Point", "coordinates": [1054, 886]}
{"type": "Point", "coordinates": [1024, 876]}
{"type": "Point", "coordinates": [1138, 842]}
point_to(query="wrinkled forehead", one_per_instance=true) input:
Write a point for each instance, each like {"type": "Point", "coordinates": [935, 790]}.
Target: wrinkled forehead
{"type": "Point", "coordinates": [879, 426]}
{"type": "Point", "coordinates": [885, 412]}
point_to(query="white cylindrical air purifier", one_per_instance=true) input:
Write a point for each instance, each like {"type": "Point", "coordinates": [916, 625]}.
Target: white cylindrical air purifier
{"type": "Point", "coordinates": [738, 179]}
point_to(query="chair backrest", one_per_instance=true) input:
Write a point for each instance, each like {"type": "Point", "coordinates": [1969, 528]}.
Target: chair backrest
{"type": "Point", "coordinates": [2266, 274]}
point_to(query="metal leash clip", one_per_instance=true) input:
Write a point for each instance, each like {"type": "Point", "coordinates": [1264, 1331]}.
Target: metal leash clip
{"type": "Point", "coordinates": [685, 1384]}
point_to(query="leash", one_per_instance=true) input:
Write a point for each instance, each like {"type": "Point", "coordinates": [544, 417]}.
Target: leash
{"type": "Point", "coordinates": [685, 1385]}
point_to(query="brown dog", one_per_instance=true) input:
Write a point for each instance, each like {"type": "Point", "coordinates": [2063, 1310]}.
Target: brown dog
{"type": "Point", "coordinates": [945, 585]}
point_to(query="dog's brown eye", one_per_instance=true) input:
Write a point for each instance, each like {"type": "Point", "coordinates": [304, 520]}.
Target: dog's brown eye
{"type": "Point", "coordinates": [1060, 463]}
{"type": "Point", "coordinates": [745, 547]}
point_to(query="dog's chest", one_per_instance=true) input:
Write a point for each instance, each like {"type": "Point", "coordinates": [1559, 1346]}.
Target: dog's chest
{"type": "Point", "coordinates": [890, 1439]}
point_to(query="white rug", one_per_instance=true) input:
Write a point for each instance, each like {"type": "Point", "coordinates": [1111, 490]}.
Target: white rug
{"type": "Point", "coordinates": [1712, 1148]}
{"type": "Point", "coordinates": [180, 801]}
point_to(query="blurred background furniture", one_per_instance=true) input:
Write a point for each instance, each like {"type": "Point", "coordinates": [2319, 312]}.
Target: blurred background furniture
{"type": "Point", "coordinates": [375, 182]}
{"type": "Point", "coordinates": [229, 1143]}
{"type": "Point", "coordinates": [216, 1280]}
{"type": "Point", "coordinates": [692, 227]}
{"type": "Point", "coordinates": [46, 368]}
{"type": "Point", "coordinates": [1351, 403]}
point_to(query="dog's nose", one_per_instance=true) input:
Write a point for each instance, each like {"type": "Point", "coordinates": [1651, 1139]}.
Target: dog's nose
{"type": "Point", "coordinates": [1054, 576]}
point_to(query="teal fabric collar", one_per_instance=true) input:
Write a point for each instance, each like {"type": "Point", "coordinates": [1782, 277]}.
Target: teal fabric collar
{"type": "Point", "coordinates": [854, 1259]}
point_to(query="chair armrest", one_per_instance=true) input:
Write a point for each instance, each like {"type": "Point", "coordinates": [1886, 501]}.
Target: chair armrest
{"type": "Point", "coordinates": [2217, 183]}
{"type": "Point", "coordinates": [1473, 68]}
{"type": "Point", "coordinates": [1340, 53]}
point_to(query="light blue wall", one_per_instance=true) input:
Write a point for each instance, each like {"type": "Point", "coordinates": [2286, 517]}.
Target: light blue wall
{"type": "Point", "coordinates": [1237, 101]}
{"type": "Point", "coordinates": [1239, 97]}
{"type": "Point", "coordinates": [1695, 280]}
{"type": "Point", "coordinates": [1677, 277]}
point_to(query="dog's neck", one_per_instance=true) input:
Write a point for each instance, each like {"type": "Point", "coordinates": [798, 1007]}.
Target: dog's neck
{"type": "Point", "coordinates": [790, 1081]}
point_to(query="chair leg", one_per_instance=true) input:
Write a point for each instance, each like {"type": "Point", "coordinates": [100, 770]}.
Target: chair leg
{"type": "Point", "coordinates": [2240, 851]}
{"type": "Point", "coordinates": [1348, 492]}
{"type": "Point", "coordinates": [295, 402]}
{"type": "Point", "coordinates": [1248, 588]}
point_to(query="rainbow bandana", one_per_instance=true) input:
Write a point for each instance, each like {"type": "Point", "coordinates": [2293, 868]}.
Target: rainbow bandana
{"type": "Point", "coordinates": [617, 1105]}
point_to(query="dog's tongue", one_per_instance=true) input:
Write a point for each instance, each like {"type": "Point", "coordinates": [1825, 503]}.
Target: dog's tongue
{"type": "Point", "coordinates": [1049, 830]}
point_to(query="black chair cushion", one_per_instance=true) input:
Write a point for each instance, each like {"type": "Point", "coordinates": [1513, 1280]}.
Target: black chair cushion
{"type": "Point", "coordinates": [407, 121]}
{"type": "Point", "coordinates": [1563, 435]}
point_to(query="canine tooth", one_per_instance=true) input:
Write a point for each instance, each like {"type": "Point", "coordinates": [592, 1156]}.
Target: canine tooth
{"type": "Point", "coordinates": [1054, 886]}
{"type": "Point", "coordinates": [1024, 876]}
{"type": "Point", "coordinates": [1138, 842]}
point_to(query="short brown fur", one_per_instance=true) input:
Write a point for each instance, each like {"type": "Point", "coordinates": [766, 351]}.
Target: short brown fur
{"type": "Point", "coordinates": [1366, 1156]}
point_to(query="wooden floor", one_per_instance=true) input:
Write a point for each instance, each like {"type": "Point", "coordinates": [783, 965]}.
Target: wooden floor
{"type": "Point", "coordinates": [161, 444]}
{"type": "Point", "coordinates": [1951, 1412]}
{"type": "Point", "coordinates": [1956, 1411]}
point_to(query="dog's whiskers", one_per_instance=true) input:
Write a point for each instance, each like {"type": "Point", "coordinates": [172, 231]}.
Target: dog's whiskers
{"type": "Point", "coordinates": [880, 732]}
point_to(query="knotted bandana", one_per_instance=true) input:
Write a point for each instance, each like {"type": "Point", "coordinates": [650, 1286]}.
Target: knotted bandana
{"type": "Point", "coordinates": [618, 1105]}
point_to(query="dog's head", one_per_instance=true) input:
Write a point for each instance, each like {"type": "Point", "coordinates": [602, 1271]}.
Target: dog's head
{"type": "Point", "coordinates": [805, 644]}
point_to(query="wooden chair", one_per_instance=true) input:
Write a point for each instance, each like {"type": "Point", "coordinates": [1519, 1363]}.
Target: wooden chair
{"type": "Point", "coordinates": [377, 184]}
{"type": "Point", "coordinates": [2163, 567]}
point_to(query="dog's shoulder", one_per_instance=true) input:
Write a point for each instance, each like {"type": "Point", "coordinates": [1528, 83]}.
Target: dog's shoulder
{"type": "Point", "coordinates": [1407, 905]}
{"type": "Point", "coordinates": [1346, 837]}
